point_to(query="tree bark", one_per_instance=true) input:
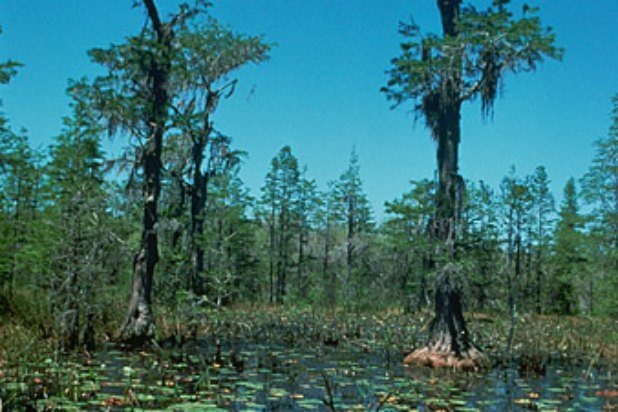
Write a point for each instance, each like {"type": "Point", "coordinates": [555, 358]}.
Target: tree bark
{"type": "Point", "coordinates": [139, 324]}
{"type": "Point", "coordinates": [198, 204]}
{"type": "Point", "coordinates": [449, 344]}
{"type": "Point", "coordinates": [271, 255]}
{"type": "Point", "coordinates": [329, 277]}
{"type": "Point", "coordinates": [199, 193]}
{"type": "Point", "coordinates": [448, 177]}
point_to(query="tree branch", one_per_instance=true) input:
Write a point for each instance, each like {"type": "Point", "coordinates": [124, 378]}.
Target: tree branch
{"type": "Point", "coordinates": [468, 94]}
{"type": "Point", "coordinates": [154, 17]}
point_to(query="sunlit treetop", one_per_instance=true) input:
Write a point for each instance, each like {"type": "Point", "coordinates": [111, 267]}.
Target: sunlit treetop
{"type": "Point", "coordinates": [469, 62]}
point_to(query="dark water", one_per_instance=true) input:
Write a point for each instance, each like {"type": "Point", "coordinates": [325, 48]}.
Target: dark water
{"type": "Point", "coordinates": [277, 377]}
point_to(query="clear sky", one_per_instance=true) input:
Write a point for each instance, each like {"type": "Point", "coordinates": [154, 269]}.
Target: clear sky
{"type": "Point", "coordinates": [319, 92]}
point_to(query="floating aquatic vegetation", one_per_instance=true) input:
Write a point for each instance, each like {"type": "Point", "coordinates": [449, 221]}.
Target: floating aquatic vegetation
{"type": "Point", "coordinates": [278, 360]}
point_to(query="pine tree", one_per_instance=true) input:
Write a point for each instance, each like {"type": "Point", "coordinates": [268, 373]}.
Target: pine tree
{"type": "Point", "coordinates": [15, 166]}
{"type": "Point", "coordinates": [82, 251]}
{"type": "Point", "coordinates": [516, 204]}
{"type": "Point", "coordinates": [279, 197]}
{"type": "Point", "coordinates": [568, 255]}
{"type": "Point", "coordinates": [600, 190]}
{"type": "Point", "coordinates": [355, 213]}
{"type": "Point", "coordinates": [207, 54]}
{"type": "Point", "coordinates": [20, 178]}
{"type": "Point", "coordinates": [480, 241]}
{"type": "Point", "coordinates": [328, 218]}
{"type": "Point", "coordinates": [306, 212]}
{"type": "Point", "coordinates": [408, 229]}
{"type": "Point", "coordinates": [543, 206]}
{"type": "Point", "coordinates": [229, 240]}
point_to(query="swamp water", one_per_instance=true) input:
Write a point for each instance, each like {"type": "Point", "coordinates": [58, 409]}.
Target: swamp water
{"type": "Point", "coordinates": [277, 377]}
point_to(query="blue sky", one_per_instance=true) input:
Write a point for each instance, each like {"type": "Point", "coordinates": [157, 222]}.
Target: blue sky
{"type": "Point", "coordinates": [319, 92]}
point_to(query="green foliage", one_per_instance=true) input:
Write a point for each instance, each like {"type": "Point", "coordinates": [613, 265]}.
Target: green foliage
{"type": "Point", "coordinates": [568, 254]}
{"type": "Point", "coordinates": [471, 62]}
{"type": "Point", "coordinates": [600, 191]}
{"type": "Point", "coordinates": [279, 209]}
{"type": "Point", "coordinates": [20, 197]}
{"type": "Point", "coordinates": [355, 215]}
{"type": "Point", "coordinates": [409, 243]}
{"type": "Point", "coordinates": [480, 240]}
{"type": "Point", "coordinates": [82, 250]}
{"type": "Point", "coordinates": [214, 51]}
{"type": "Point", "coordinates": [541, 232]}
{"type": "Point", "coordinates": [352, 205]}
{"type": "Point", "coordinates": [229, 241]}
{"type": "Point", "coordinates": [8, 69]}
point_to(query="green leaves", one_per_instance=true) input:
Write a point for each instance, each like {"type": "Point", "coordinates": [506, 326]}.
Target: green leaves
{"type": "Point", "coordinates": [8, 68]}
{"type": "Point", "coordinates": [214, 51]}
{"type": "Point", "coordinates": [488, 43]}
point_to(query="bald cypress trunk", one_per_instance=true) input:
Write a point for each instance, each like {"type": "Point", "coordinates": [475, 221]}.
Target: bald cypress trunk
{"type": "Point", "coordinates": [438, 73]}
{"type": "Point", "coordinates": [449, 343]}
{"type": "Point", "coordinates": [139, 324]}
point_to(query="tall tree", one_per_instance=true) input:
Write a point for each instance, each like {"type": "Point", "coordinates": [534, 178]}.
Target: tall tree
{"type": "Point", "coordinates": [139, 322]}
{"type": "Point", "coordinates": [408, 232]}
{"type": "Point", "coordinates": [568, 254]}
{"type": "Point", "coordinates": [19, 182]}
{"type": "Point", "coordinates": [328, 218]}
{"type": "Point", "coordinates": [439, 74]}
{"type": "Point", "coordinates": [134, 97]}
{"type": "Point", "coordinates": [305, 210]}
{"type": "Point", "coordinates": [516, 205]}
{"type": "Point", "coordinates": [480, 239]}
{"type": "Point", "coordinates": [279, 197]}
{"type": "Point", "coordinates": [229, 240]}
{"type": "Point", "coordinates": [81, 248]}
{"type": "Point", "coordinates": [543, 207]}
{"type": "Point", "coordinates": [207, 54]}
{"type": "Point", "coordinates": [355, 213]}
{"type": "Point", "coordinates": [19, 195]}
{"type": "Point", "coordinates": [600, 190]}
{"type": "Point", "coordinates": [6, 135]}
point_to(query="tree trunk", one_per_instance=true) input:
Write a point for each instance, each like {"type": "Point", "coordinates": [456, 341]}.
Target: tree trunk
{"type": "Point", "coordinates": [449, 344]}
{"type": "Point", "coordinates": [448, 178]}
{"type": "Point", "coordinates": [539, 280]}
{"type": "Point", "coordinates": [70, 316]}
{"type": "Point", "coordinates": [139, 324]}
{"type": "Point", "coordinates": [329, 277]}
{"type": "Point", "coordinates": [199, 194]}
{"type": "Point", "coordinates": [271, 258]}
{"type": "Point", "coordinates": [300, 273]}
{"type": "Point", "coordinates": [198, 204]}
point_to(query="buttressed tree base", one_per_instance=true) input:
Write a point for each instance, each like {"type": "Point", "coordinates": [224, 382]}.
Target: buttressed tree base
{"type": "Point", "coordinates": [449, 345]}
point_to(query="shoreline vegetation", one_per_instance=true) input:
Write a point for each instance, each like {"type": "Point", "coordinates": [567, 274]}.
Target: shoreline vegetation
{"type": "Point", "coordinates": [263, 339]}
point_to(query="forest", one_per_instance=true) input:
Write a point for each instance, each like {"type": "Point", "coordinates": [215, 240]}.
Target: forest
{"type": "Point", "coordinates": [156, 280]}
